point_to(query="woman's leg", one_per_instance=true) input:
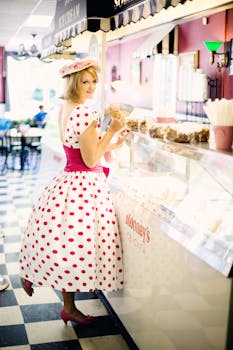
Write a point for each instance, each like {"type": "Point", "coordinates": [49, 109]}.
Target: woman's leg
{"type": "Point", "coordinates": [70, 308]}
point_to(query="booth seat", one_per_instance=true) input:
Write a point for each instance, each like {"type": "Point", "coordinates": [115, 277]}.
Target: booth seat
{"type": "Point", "coordinates": [5, 124]}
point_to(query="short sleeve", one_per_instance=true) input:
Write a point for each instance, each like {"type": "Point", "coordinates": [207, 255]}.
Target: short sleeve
{"type": "Point", "coordinates": [82, 117]}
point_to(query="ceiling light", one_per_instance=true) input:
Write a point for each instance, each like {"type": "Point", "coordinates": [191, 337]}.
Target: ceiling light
{"type": "Point", "coordinates": [213, 45]}
{"type": "Point", "coordinates": [23, 54]}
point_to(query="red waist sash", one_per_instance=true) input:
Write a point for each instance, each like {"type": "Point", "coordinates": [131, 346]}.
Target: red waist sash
{"type": "Point", "coordinates": [74, 162]}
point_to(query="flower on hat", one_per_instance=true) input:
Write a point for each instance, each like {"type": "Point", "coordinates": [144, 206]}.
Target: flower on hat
{"type": "Point", "coordinates": [77, 66]}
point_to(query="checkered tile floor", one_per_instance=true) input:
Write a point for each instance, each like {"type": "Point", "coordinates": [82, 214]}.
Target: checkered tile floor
{"type": "Point", "coordinates": [34, 322]}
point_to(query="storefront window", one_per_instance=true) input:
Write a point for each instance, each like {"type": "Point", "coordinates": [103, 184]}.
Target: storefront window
{"type": "Point", "coordinates": [30, 82]}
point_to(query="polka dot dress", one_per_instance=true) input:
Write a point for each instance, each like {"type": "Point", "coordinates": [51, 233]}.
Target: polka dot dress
{"type": "Point", "coordinates": [72, 242]}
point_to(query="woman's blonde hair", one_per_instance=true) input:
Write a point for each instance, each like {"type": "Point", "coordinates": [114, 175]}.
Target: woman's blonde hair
{"type": "Point", "coordinates": [72, 83]}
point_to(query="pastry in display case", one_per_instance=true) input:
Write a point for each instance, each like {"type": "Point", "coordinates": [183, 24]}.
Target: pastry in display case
{"type": "Point", "coordinates": [158, 131]}
{"type": "Point", "coordinates": [137, 124]}
{"type": "Point", "coordinates": [186, 132]}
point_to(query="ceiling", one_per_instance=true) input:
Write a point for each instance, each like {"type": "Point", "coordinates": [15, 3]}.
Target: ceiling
{"type": "Point", "coordinates": [13, 14]}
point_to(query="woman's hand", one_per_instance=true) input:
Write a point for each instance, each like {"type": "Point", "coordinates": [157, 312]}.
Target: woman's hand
{"type": "Point", "coordinates": [118, 121]}
{"type": "Point", "coordinates": [92, 148]}
{"type": "Point", "coordinates": [121, 138]}
{"type": "Point", "coordinates": [113, 110]}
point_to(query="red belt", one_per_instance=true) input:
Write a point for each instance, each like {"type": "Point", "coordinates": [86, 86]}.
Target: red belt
{"type": "Point", "coordinates": [75, 162]}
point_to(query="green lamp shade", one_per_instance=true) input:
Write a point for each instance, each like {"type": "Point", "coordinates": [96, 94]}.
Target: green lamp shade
{"type": "Point", "coordinates": [213, 45]}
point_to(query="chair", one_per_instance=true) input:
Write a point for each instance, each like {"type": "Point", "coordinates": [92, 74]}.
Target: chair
{"type": "Point", "coordinates": [3, 154]}
{"type": "Point", "coordinates": [32, 150]}
{"type": "Point", "coordinates": [21, 153]}
{"type": "Point", "coordinates": [32, 142]}
{"type": "Point", "coordinates": [13, 152]}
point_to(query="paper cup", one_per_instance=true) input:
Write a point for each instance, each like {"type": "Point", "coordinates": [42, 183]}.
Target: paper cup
{"type": "Point", "coordinates": [223, 135]}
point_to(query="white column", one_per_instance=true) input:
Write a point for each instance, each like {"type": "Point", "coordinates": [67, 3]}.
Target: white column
{"type": "Point", "coordinates": [103, 68]}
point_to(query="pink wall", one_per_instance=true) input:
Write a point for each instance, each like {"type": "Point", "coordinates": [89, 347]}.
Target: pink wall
{"type": "Point", "coordinates": [121, 55]}
{"type": "Point", "coordinates": [191, 38]}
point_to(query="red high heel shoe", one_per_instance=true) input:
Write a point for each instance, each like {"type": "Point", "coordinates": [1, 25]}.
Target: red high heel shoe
{"type": "Point", "coordinates": [27, 286]}
{"type": "Point", "coordinates": [66, 317]}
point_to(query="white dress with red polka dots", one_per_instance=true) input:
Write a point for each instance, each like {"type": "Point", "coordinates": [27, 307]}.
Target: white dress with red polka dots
{"type": "Point", "coordinates": [72, 242]}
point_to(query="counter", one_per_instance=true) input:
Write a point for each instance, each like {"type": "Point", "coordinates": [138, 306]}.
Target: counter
{"type": "Point", "coordinates": [178, 256]}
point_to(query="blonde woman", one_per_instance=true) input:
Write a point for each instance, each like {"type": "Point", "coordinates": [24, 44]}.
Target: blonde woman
{"type": "Point", "coordinates": [72, 242]}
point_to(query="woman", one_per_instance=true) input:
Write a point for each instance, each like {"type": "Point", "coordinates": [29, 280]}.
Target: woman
{"type": "Point", "coordinates": [72, 241]}
{"type": "Point", "coordinates": [40, 119]}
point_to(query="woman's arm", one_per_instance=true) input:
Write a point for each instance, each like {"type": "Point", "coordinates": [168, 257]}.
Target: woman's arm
{"type": "Point", "coordinates": [92, 149]}
{"type": "Point", "coordinates": [120, 140]}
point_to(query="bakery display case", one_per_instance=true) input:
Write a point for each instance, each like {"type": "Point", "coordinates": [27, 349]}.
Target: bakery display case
{"type": "Point", "coordinates": [174, 203]}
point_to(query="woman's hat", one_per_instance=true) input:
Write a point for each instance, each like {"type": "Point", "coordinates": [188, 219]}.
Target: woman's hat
{"type": "Point", "coordinates": [79, 65]}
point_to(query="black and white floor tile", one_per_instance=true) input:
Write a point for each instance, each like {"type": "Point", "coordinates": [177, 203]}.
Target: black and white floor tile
{"type": "Point", "coordinates": [34, 322]}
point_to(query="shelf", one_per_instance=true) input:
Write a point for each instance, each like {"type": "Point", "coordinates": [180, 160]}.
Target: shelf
{"type": "Point", "coordinates": [192, 151]}
{"type": "Point", "coordinates": [208, 157]}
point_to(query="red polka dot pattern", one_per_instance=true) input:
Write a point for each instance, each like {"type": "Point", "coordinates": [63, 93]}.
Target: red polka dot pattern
{"type": "Point", "coordinates": [72, 242]}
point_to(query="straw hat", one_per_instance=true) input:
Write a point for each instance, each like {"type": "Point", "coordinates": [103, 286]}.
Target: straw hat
{"type": "Point", "coordinates": [79, 65]}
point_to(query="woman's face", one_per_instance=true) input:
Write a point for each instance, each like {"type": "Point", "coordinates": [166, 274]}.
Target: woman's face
{"type": "Point", "coordinates": [87, 86]}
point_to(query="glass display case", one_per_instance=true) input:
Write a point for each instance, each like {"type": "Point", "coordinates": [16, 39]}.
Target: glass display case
{"type": "Point", "coordinates": [190, 188]}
